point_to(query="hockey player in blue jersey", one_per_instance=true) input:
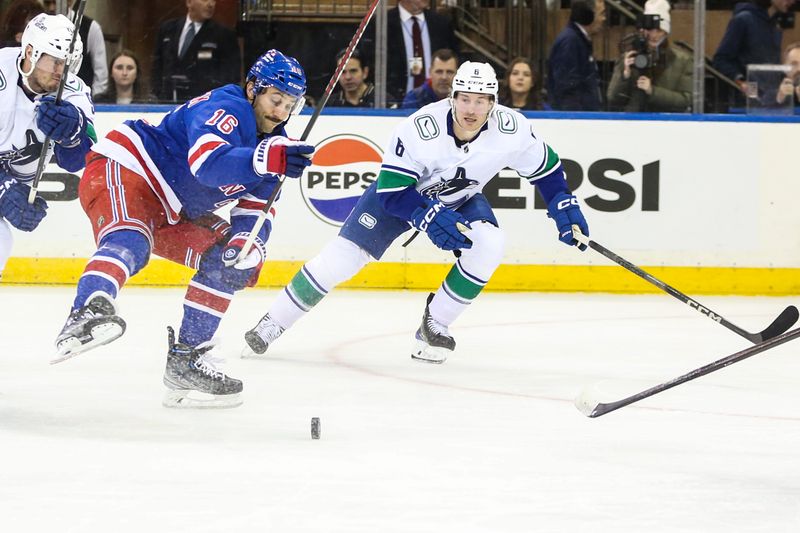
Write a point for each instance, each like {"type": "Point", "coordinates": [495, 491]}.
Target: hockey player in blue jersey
{"type": "Point", "coordinates": [29, 77]}
{"type": "Point", "coordinates": [153, 190]}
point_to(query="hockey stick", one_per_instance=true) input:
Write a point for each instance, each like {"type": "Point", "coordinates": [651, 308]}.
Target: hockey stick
{"type": "Point", "coordinates": [592, 408]}
{"type": "Point", "coordinates": [47, 145]}
{"type": "Point", "coordinates": [782, 323]}
{"type": "Point", "coordinates": [262, 215]}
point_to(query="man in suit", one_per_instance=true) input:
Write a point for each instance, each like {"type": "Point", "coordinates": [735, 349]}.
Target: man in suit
{"type": "Point", "coordinates": [573, 82]}
{"type": "Point", "coordinates": [410, 48]}
{"type": "Point", "coordinates": [194, 54]}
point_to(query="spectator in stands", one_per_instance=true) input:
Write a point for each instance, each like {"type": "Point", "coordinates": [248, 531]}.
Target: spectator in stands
{"type": "Point", "coordinates": [791, 83]}
{"type": "Point", "coordinates": [656, 77]}
{"type": "Point", "coordinates": [573, 82]}
{"type": "Point", "coordinates": [413, 32]}
{"type": "Point", "coordinates": [194, 54]}
{"type": "Point", "coordinates": [753, 36]}
{"type": "Point", "coordinates": [16, 17]}
{"type": "Point", "coordinates": [94, 70]}
{"type": "Point", "coordinates": [355, 90]}
{"type": "Point", "coordinates": [125, 86]}
{"type": "Point", "coordinates": [443, 69]}
{"type": "Point", "coordinates": [518, 90]}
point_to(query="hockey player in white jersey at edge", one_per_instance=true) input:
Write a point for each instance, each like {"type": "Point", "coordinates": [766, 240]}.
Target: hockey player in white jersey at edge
{"type": "Point", "coordinates": [29, 79]}
{"type": "Point", "coordinates": [434, 168]}
{"type": "Point", "coordinates": [153, 190]}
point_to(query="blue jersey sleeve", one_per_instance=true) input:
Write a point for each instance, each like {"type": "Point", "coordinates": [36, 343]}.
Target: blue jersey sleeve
{"type": "Point", "coordinates": [222, 137]}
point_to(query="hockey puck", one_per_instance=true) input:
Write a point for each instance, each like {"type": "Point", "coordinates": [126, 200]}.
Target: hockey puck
{"type": "Point", "coordinates": [315, 428]}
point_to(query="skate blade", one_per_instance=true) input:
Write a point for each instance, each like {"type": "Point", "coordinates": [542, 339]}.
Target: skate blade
{"type": "Point", "coordinates": [248, 353]}
{"type": "Point", "coordinates": [101, 334]}
{"type": "Point", "coordinates": [192, 399]}
{"type": "Point", "coordinates": [425, 353]}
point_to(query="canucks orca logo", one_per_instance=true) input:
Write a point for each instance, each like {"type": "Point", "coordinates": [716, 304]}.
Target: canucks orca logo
{"type": "Point", "coordinates": [21, 162]}
{"type": "Point", "coordinates": [453, 192]}
{"type": "Point", "coordinates": [343, 166]}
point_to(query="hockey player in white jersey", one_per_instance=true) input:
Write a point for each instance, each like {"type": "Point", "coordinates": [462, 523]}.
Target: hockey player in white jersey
{"type": "Point", "coordinates": [29, 77]}
{"type": "Point", "coordinates": [434, 168]}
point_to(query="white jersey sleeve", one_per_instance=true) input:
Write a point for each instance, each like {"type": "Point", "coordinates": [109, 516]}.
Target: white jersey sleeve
{"type": "Point", "coordinates": [535, 159]}
{"type": "Point", "coordinates": [402, 166]}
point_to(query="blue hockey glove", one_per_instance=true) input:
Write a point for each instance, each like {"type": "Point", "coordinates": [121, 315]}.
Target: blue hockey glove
{"type": "Point", "coordinates": [563, 208]}
{"type": "Point", "coordinates": [279, 155]}
{"type": "Point", "coordinates": [254, 258]}
{"type": "Point", "coordinates": [439, 223]}
{"type": "Point", "coordinates": [63, 122]}
{"type": "Point", "coordinates": [15, 208]}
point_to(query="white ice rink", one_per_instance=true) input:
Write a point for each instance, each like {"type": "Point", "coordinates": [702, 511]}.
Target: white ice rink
{"type": "Point", "coordinates": [488, 442]}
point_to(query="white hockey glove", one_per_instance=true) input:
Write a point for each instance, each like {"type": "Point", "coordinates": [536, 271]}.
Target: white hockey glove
{"type": "Point", "coordinates": [279, 155]}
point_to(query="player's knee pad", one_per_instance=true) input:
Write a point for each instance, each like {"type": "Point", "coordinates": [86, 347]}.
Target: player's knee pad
{"type": "Point", "coordinates": [128, 246]}
{"type": "Point", "coordinates": [218, 276]}
{"type": "Point", "coordinates": [488, 246]}
{"type": "Point", "coordinates": [6, 242]}
{"type": "Point", "coordinates": [338, 261]}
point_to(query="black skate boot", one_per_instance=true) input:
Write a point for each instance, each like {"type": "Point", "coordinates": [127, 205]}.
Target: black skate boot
{"type": "Point", "coordinates": [92, 325]}
{"type": "Point", "coordinates": [194, 380]}
{"type": "Point", "coordinates": [260, 337]}
{"type": "Point", "coordinates": [433, 339]}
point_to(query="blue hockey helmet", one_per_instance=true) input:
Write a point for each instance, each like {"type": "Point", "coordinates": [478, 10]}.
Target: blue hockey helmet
{"type": "Point", "coordinates": [275, 69]}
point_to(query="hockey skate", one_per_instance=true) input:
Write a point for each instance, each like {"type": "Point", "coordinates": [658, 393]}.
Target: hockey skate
{"type": "Point", "coordinates": [434, 342]}
{"type": "Point", "coordinates": [87, 327]}
{"type": "Point", "coordinates": [193, 379]}
{"type": "Point", "coordinates": [260, 337]}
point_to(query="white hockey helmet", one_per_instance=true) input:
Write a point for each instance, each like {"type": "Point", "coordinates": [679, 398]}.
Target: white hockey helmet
{"type": "Point", "coordinates": [52, 35]}
{"type": "Point", "coordinates": [474, 77]}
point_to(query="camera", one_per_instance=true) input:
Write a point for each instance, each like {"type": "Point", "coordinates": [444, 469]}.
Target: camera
{"type": "Point", "coordinates": [648, 22]}
{"type": "Point", "coordinates": [642, 60]}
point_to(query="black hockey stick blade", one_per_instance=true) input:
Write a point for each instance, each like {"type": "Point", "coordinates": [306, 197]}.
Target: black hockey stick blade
{"type": "Point", "coordinates": [591, 407]}
{"type": "Point", "coordinates": [785, 320]}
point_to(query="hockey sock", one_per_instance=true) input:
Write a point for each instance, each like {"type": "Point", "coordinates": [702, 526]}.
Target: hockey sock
{"type": "Point", "coordinates": [204, 305]}
{"type": "Point", "coordinates": [339, 261]}
{"type": "Point", "coordinates": [121, 254]}
{"type": "Point", "coordinates": [470, 274]}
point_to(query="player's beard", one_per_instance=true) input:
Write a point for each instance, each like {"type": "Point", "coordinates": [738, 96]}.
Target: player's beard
{"type": "Point", "coordinates": [43, 82]}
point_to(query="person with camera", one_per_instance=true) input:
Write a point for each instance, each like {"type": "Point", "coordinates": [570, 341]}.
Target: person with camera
{"type": "Point", "coordinates": [791, 83]}
{"type": "Point", "coordinates": [652, 75]}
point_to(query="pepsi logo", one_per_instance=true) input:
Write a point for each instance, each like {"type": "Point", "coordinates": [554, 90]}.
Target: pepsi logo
{"type": "Point", "coordinates": [343, 166]}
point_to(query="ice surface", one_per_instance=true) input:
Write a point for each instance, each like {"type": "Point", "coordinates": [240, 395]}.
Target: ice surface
{"type": "Point", "coordinates": [490, 441]}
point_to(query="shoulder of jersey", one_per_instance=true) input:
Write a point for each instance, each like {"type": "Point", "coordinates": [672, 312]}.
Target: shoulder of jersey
{"type": "Point", "coordinates": [508, 121]}
{"type": "Point", "coordinates": [232, 99]}
{"type": "Point", "coordinates": [8, 67]}
{"type": "Point", "coordinates": [75, 85]}
{"type": "Point", "coordinates": [430, 121]}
